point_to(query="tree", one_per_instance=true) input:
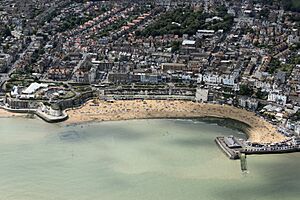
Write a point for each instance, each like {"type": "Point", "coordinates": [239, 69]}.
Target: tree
{"type": "Point", "coordinates": [264, 12]}
{"type": "Point", "coordinates": [175, 46]}
{"type": "Point", "coordinates": [4, 32]}
{"type": "Point", "coordinates": [245, 90]}
{"type": "Point", "coordinates": [274, 64]}
{"type": "Point", "coordinates": [296, 116]}
{"type": "Point", "coordinates": [261, 95]}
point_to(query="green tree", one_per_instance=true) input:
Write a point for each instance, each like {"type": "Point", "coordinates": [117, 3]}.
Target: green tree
{"type": "Point", "coordinates": [274, 65]}
{"type": "Point", "coordinates": [175, 46]}
{"type": "Point", "coordinates": [261, 95]}
{"type": "Point", "coordinates": [245, 90]}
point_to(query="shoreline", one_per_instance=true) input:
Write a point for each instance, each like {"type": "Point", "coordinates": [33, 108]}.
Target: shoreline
{"type": "Point", "coordinates": [7, 114]}
{"type": "Point", "coordinates": [258, 130]}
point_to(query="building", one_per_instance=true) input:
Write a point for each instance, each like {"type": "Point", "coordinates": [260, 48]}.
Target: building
{"type": "Point", "coordinates": [205, 33]}
{"type": "Point", "coordinates": [173, 67]}
{"type": "Point", "coordinates": [278, 98]}
{"type": "Point", "coordinates": [150, 78]}
{"type": "Point", "coordinates": [5, 59]}
{"type": "Point", "coordinates": [248, 103]}
{"type": "Point", "coordinates": [50, 110]}
{"type": "Point", "coordinates": [201, 95]}
{"type": "Point", "coordinates": [33, 88]}
{"type": "Point", "coordinates": [188, 43]}
{"type": "Point", "coordinates": [231, 142]}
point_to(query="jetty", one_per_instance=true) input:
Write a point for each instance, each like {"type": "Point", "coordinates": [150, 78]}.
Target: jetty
{"type": "Point", "coordinates": [234, 147]}
{"type": "Point", "coordinates": [230, 146]}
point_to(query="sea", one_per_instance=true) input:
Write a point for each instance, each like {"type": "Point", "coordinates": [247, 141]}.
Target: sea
{"type": "Point", "coordinates": [161, 159]}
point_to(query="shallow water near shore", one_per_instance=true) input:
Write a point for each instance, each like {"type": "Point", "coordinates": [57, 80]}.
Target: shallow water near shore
{"type": "Point", "coordinates": [138, 159]}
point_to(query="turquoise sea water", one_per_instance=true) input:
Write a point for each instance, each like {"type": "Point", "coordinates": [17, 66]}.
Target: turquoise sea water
{"type": "Point", "coordinates": [140, 159]}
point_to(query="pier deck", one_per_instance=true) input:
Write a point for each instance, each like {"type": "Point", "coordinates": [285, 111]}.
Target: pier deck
{"type": "Point", "coordinates": [231, 153]}
{"type": "Point", "coordinates": [234, 153]}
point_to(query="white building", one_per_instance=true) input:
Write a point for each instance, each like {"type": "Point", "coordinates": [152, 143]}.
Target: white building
{"type": "Point", "coordinates": [297, 129]}
{"type": "Point", "coordinates": [210, 78]}
{"type": "Point", "coordinates": [149, 78]}
{"type": "Point", "coordinates": [248, 103]}
{"type": "Point", "coordinates": [92, 75]}
{"type": "Point", "coordinates": [278, 98]}
{"type": "Point", "coordinates": [49, 110]}
{"type": "Point", "coordinates": [205, 33]}
{"type": "Point", "coordinates": [188, 42]}
{"type": "Point", "coordinates": [201, 95]}
{"type": "Point", "coordinates": [227, 79]}
{"type": "Point", "coordinates": [292, 39]}
{"type": "Point", "coordinates": [266, 86]}
{"type": "Point", "coordinates": [34, 87]}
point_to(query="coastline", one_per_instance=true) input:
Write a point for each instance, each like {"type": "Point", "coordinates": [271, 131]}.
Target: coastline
{"type": "Point", "coordinates": [7, 114]}
{"type": "Point", "coordinates": [259, 130]}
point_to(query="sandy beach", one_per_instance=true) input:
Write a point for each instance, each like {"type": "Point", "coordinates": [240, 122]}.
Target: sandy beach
{"type": "Point", "coordinates": [5, 114]}
{"type": "Point", "coordinates": [260, 130]}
